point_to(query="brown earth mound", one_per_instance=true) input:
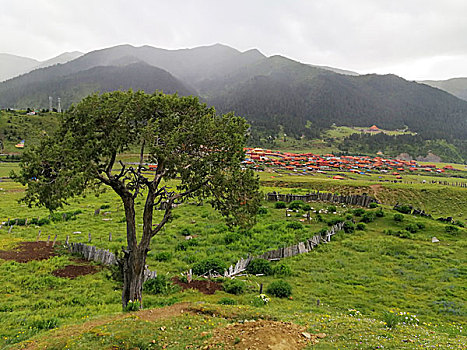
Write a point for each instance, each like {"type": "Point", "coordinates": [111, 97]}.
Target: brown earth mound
{"type": "Point", "coordinates": [205, 287]}
{"type": "Point", "coordinates": [28, 251]}
{"type": "Point", "coordinates": [262, 335]}
{"type": "Point", "coordinates": [73, 271]}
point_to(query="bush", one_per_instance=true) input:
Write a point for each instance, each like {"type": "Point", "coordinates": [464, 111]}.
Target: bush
{"type": "Point", "coordinates": [294, 225]}
{"type": "Point", "coordinates": [210, 264]}
{"type": "Point", "coordinates": [282, 270]}
{"type": "Point", "coordinates": [262, 211]}
{"type": "Point", "coordinates": [185, 232]}
{"type": "Point", "coordinates": [335, 221]}
{"type": "Point", "coordinates": [181, 247]}
{"type": "Point", "coordinates": [332, 209]}
{"type": "Point", "coordinates": [373, 205]}
{"type": "Point", "coordinates": [259, 266]}
{"type": "Point", "coordinates": [420, 225]}
{"type": "Point", "coordinates": [296, 205]}
{"type": "Point", "coordinates": [234, 286]}
{"type": "Point", "coordinates": [358, 212]}
{"type": "Point", "coordinates": [412, 228]}
{"type": "Point", "coordinates": [40, 323]}
{"type": "Point", "coordinates": [280, 289]}
{"type": "Point", "coordinates": [231, 237]}
{"type": "Point", "coordinates": [280, 205]}
{"type": "Point", "coordinates": [158, 285]}
{"type": "Point", "coordinates": [451, 229]}
{"type": "Point", "coordinates": [306, 207]}
{"type": "Point", "coordinates": [227, 301]}
{"type": "Point", "coordinates": [404, 209]}
{"type": "Point", "coordinates": [43, 221]}
{"type": "Point", "coordinates": [132, 306]}
{"type": "Point", "coordinates": [379, 213]}
{"type": "Point", "coordinates": [163, 256]}
{"type": "Point", "coordinates": [105, 206]}
{"type": "Point", "coordinates": [349, 227]}
{"type": "Point", "coordinates": [361, 226]}
{"type": "Point", "coordinates": [368, 217]}
{"type": "Point", "coordinates": [398, 217]}
{"type": "Point", "coordinates": [400, 233]}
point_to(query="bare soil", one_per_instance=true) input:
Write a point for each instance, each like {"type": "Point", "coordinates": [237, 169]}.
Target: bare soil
{"type": "Point", "coordinates": [262, 335]}
{"type": "Point", "coordinates": [204, 286]}
{"type": "Point", "coordinates": [73, 271]}
{"type": "Point", "coordinates": [28, 251]}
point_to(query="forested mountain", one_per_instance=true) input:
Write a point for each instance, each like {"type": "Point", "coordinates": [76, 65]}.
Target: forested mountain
{"type": "Point", "coordinates": [73, 87]}
{"type": "Point", "coordinates": [455, 86]}
{"type": "Point", "coordinates": [271, 92]}
{"type": "Point", "coordinates": [12, 66]}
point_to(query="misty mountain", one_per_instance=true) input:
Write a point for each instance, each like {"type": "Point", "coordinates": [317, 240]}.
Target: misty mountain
{"type": "Point", "coordinates": [12, 66]}
{"type": "Point", "coordinates": [336, 70]}
{"type": "Point", "coordinates": [73, 87]}
{"type": "Point", "coordinates": [268, 91]}
{"type": "Point", "coordinates": [455, 86]}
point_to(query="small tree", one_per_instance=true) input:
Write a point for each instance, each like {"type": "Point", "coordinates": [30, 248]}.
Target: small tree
{"type": "Point", "coordinates": [182, 137]}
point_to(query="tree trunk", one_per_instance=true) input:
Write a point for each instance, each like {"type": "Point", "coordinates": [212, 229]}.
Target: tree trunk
{"type": "Point", "coordinates": [133, 276]}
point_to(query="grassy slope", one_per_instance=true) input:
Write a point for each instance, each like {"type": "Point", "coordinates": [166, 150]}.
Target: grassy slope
{"type": "Point", "coordinates": [368, 271]}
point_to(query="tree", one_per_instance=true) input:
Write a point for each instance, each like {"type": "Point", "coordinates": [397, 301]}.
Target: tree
{"type": "Point", "coordinates": [197, 153]}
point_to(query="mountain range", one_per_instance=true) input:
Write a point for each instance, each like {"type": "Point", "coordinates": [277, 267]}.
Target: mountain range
{"type": "Point", "coordinates": [273, 93]}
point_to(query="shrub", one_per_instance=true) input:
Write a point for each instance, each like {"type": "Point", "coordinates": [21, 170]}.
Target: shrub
{"type": "Point", "coordinates": [349, 227]}
{"type": "Point", "coordinates": [404, 209]}
{"type": "Point", "coordinates": [358, 212]}
{"type": "Point", "coordinates": [260, 300]}
{"type": "Point", "coordinates": [105, 206]}
{"type": "Point", "coordinates": [361, 226]}
{"type": "Point", "coordinates": [420, 225]}
{"type": "Point", "coordinates": [306, 207]}
{"type": "Point", "coordinates": [234, 286]}
{"type": "Point", "coordinates": [43, 221]}
{"type": "Point", "coordinates": [348, 217]}
{"type": "Point", "coordinates": [157, 285]}
{"type": "Point", "coordinates": [319, 217]}
{"type": "Point", "coordinates": [368, 217]}
{"type": "Point", "coordinates": [398, 217]}
{"type": "Point", "coordinates": [335, 221]}
{"type": "Point", "coordinates": [227, 301]}
{"type": "Point", "coordinates": [282, 269]}
{"type": "Point", "coordinates": [412, 228]}
{"type": "Point", "coordinates": [280, 289]}
{"type": "Point", "coordinates": [332, 209]}
{"type": "Point", "coordinates": [294, 225]}
{"type": "Point", "coordinates": [207, 265]}
{"type": "Point", "coordinates": [40, 323]}
{"type": "Point", "coordinates": [182, 246]}
{"type": "Point", "coordinates": [231, 237]}
{"type": "Point", "coordinates": [259, 266]}
{"type": "Point", "coordinates": [451, 229]}
{"type": "Point", "coordinates": [296, 205]}
{"type": "Point", "coordinates": [163, 256]}
{"type": "Point", "coordinates": [373, 205]}
{"type": "Point", "coordinates": [262, 211]}
{"type": "Point", "coordinates": [132, 306]}
{"type": "Point", "coordinates": [185, 232]}
{"type": "Point", "coordinates": [280, 205]}
{"type": "Point", "coordinates": [379, 213]}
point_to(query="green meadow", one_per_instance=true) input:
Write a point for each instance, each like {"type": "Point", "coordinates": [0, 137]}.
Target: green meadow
{"type": "Point", "coordinates": [350, 288]}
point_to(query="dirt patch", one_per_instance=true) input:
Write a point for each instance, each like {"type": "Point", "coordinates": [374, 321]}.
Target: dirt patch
{"type": "Point", "coordinates": [164, 312]}
{"type": "Point", "coordinates": [28, 251]}
{"type": "Point", "coordinates": [262, 335]}
{"type": "Point", "coordinates": [204, 286]}
{"type": "Point", "coordinates": [73, 271]}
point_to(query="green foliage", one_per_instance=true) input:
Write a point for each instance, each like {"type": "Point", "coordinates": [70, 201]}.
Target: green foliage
{"type": "Point", "coordinates": [349, 227]}
{"type": "Point", "coordinates": [306, 207]}
{"type": "Point", "coordinates": [41, 323]}
{"type": "Point", "coordinates": [185, 232]}
{"type": "Point", "coordinates": [399, 233]}
{"type": "Point", "coordinates": [282, 270]}
{"type": "Point", "coordinates": [358, 212]}
{"type": "Point", "coordinates": [157, 285]}
{"type": "Point", "coordinates": [360, 226]}
{"type": "Point", "coordinates": [332, 209]}
{"type": "Point", "coordinates": [231, 237]}
{"type": "Point", "coordinates": [373, 205]}
{"type": "Point", "coordinates": [296, 205]}
{"type": "Point", "coordinates": [209, 265]}
{"type": "Point", "coordinates": [294, 225]}
{"type": "Point", "coordinates": [453, 230]}
{"type": "Point", "coordinates": [105, 206]}
{"type": "Point", "coordinates": [335, 221]}
{"type": "Point", "coordinates": [412, 228]}
{"type": "Point", "coordinates": [259, 266]}
{"type": "Point", "coordinates": [163, 256]}
{"type": "Point", "coordinates": [280, 289]}
{"type": "Point", "coordinates": [262, 211]}
{"type": "Point", "coordinates": [132, 306]}
{"type": "Point", "coordinates": [227, 301]}
{"type": "Point", "coordinates": [404, 209]}
{"type": "Point", "coordinates": [280, 205]}
{"type": "Point", "coordinates": [234, 286]}
{"type": "Point", "coordinates": [379, 213]}
{"type": "Point", "coordinates": [369, 216]}
{"type": "Point", "coordinates": [398, 217]}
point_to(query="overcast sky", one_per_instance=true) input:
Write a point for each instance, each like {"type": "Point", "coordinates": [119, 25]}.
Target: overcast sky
{"type": "Point", "coordinates": [416, 39]}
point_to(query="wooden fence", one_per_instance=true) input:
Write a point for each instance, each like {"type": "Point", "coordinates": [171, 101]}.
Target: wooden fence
{"type": "Point", "coordinates": [103, 256]}
{"type": "Point", "coordinates": [354, 199]}
{"type": "Point", "coordinates": [277, 254]}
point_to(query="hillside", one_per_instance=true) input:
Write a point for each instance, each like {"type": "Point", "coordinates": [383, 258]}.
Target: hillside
{"type": "Point", "coordinates": [73, 87]}
{"type": "Point", "coordinates": [455, 86]}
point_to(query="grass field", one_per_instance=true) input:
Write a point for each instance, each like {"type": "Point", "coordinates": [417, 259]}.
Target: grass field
{"type": "Point", "coordinates": [358, 278]}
